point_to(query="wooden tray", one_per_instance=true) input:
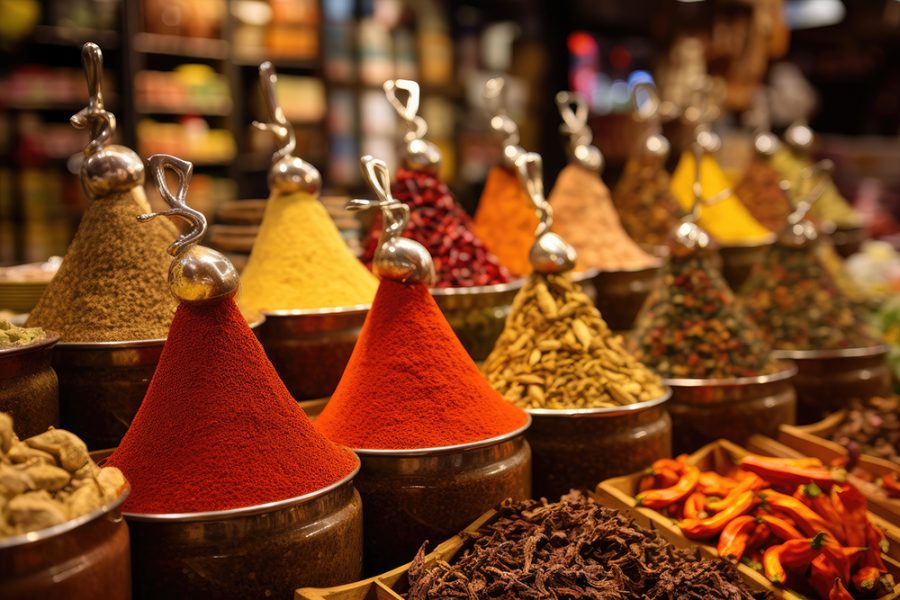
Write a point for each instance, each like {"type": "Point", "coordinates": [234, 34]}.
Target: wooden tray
{"type": "Point", "coordinates": [718, 456]}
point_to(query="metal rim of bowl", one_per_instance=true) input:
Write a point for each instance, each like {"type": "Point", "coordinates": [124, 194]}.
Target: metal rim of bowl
{"type": "Point", "coordinates": [408, 452]}
{"type": "Point", "coordinates": [605, 411]}
{"type": "Point", "coordinates": [864, 351]}
{"type": "Point", "coordinates": [316, 312]}
{"type": "Point", "coordinates": [50, 338]}
{"type": "Point", "coordinates": [787, 370]}
{"type": "Point", "coordinates": [496, 288]}
{"type": "Point", "coordinates": [258, 320]}
{"type": "Point", "coordinates": [54, 530]}
{"type": "Point", "coordinates": [244, 511]}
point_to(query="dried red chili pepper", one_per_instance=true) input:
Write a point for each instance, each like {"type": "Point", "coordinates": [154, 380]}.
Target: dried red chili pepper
{"type": "Point", "coordinates": [839, 592]}
{"type": "Point", "coordinates": [840, 556]}
{"type": "Point", "coordinates": [759, 537]}
{"type": "Point", "coordinates": [890, 485]}
{"type": "Point", "coordinates": [874, 539]}
{"type": "Point", "coordinates": [700, 529]}
{"type": "Point", "coordinates": [866, 579]}
{"type": "Point", "coordinates": [694, 506]}
{"type": "Point", "coordinates": [660, 498]}
{"type": "Point", "coordinates": [793, 554]}
{"type": "Point", "coordinates": [807, 520]}
{"type": "Point", "coordinates": [666, 478]}
{"type": "Point", "coordinates": [783, 473]}
{"type": "Point", "coordinates": [850, 506]}
{"type": "Point", "coordinates": [819, 501]}
{"type": "Point", "coordinates": [822, 575]}
{"type": "Point", "coordinates": [713, 484]}
{"type": "Point", "coordinates": [781, 528]}
{"type": "Point", "coordinates": [733, 540]}
{"type": "Point", "coordinates": [748, 483]}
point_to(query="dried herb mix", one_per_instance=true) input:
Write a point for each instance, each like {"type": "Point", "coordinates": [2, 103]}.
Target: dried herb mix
{"type": "Point", "coordinates": [645, 202]}
{"type": "Point", "coordinates": [557, 352]}
{"type": "Point", "coordinates": [571, 549]}
{"type": "Point", "coordinates": [693, 327]}
{"type": "Point", "coordinates": [874, 427]}
{"type": "Point", "coordinates": [12, 336]}
{"type": "Point", "coordinates": [759, 190]}
{"type": "Point", "coordinates": [798, 306]}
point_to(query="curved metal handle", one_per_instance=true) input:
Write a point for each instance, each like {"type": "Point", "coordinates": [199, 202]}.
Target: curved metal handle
{"type": "Point", "coordinates": [494, 94]}
{"type": "Point", "coordinates": [574, 112]}
{"type": "Point", "coordinates": [377, 175]}
{"type": "Point", "coordinates": [278, 124]}
{"type": "Point", "coordinates": [529, 168]}
{"type": "Point", "coordinates": [101, 122]}
{"type": "Point", "coordinates": [647, 110]}
{"type": "Point", "coordinates": [158, 163]}
{"type": "Point", "coordinates": [409, 108]}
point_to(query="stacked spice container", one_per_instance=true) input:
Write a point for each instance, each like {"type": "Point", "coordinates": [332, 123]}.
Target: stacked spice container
{"type": "Point", "coordinates": [313, 292]}
{"type": "Point", "coordinates": [623, 273]}
{"type": "Point", "coordinates": [807, 319]}
{"type": "Point", "coordinates": [742, 240]}
{"type": "Point", "coordinates": [234, 494]}
{"type": "Point", "coordinates": [692, 331]}
{"type": "Point", "coordinates": [29, 390]}
{"type": "Point", "coordinates": [472, 288]}
{"type": "Point", "coordinates": [438, 445]}
{"type": "Point", "coordinates": [595, 410]}
{"type": "Point", "coordinates": [108, 301]}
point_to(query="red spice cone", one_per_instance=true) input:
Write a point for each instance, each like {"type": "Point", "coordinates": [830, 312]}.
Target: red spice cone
{"type": "Point", "coordinates": [411, 384]}
{"type": "Point", "coordinates": [217, 429]}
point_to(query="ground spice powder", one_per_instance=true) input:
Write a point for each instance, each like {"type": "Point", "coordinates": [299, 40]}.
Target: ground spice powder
{"type": "Point", "coordinates": [299, 260]}
{"type": "Point", "coordinates": [584, 216]}
{"type": "Point", "coordinates": [506, 221]}
{"type": "Point", "coordinates": [217, 429]}
{"type": "Point", "coordinates": [727, 221]}
{"type": "Point", "coordinates": [644, 201]}
{"type": "Point", "coordinates": [831, 207]}
{"type": "Point", "coordinates": [760, 192]}
{"type": "Point", "coordinates": [112, 284]}
{"type": "Point", "coordinates": [436, 221]}
{"type": "Point", "coordinates": [693, 327]}
{"type": "Point", "coordinates": [410, 383]}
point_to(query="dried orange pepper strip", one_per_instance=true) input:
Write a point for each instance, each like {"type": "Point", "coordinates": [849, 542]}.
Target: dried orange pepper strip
{"type": "Point", "coordinates": [733, 541]}
{"type": "Point", "coordinates": [661, 498]}
{"type": "Point", "coordinates": [701, 529]}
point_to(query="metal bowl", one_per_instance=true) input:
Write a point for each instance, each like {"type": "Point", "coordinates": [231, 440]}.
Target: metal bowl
{"type": "Point", "coordinates": [429, 494]}
{"type": "Point", "coordinates": [621, 294]}
{"type": "Point", "coordinates": [828, 380]}
{"type": "Point", "coordinates": [738, 260]}
{"type": "Point", "coordinates": [848, 240]}
{"type": "Point", "coordinates": [704, 410]}
{"type": "Point", "coordinates": [477, 314]}
{"type": "Point", "coordinates": [29, 390]}
{"type": "Point", "coordinates": [311, 347]}
{"type": "Point", "coordinates": [578, 448]}
{"type": "Point", "coordinates": [81, 559]}
{"type": "Point", "coordinates": [102, 385]}
{"type": "Point", "coordinates": [259, 551]}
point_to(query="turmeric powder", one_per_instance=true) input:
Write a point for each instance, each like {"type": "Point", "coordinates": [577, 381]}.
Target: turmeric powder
{"type": "Point", "coordinates": [831, 207]}
{"type": "Point", "coordinates": [505, 220]}
{"type": "Point", "coordinates": [300, 261]}
{"type": "Point", "coordinates": [726, 220]}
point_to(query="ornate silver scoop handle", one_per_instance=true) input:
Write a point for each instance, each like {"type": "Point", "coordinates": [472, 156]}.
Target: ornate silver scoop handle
{"type": "Point", "coordinates": [419, 154]}
{"type": "Point", "coordinates": [396, 257]}
{"type": "Point", "coordinates": [575, 112]}
{"type": "Point", "coordinates": [495, 102]}
{"type": "Point", "coordinates": [759, 117]}
{"type": "Point", "coordinates": [648, 108]}
{"type": "Point", "coordinates": [549, 253]}
{"type": "Point", "coordinates": [198, 274]}
{"type": "Point", "coordinates": [101, 122]}
{"type": "Point", "coordinates": [818, 175]}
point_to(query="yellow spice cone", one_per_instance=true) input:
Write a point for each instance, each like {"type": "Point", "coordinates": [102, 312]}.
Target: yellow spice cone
{"type": "Point", "coordinates": [728, 221]}
{"type": "Point", "coordinates": [299, 260]}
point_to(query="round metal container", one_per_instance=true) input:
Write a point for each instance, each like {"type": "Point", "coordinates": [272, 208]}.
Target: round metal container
{"type": "Point", "coordinates": [848, 240]}
{"type": "Point", "coordinates": [29, 390]}
{"type": "Point", "coordinates": [704, 410]}
{"type": "Point", "coordinates": [477, 314]}
{"type": "Point", "coordinates": [263, 551]}
{"type": "Point", "coordinates": [828, 380]}
{"type": "Point", "coordinates": [430, 494]}
{"type": "Point", "coordinates": [621, 294]}
{"type": "Point", "coordinates": [311, 347]}
{"type": "Point", "coordinates": [81, 559]}
{"type": "Point", "coordinates": [579, 448]}
{"type": "Point", "coordinates": [102, 385]}
{"type": "Point", "coordinates": [738, 261]}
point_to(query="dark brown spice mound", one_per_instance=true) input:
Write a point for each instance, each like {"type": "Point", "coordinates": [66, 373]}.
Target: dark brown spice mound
{"type": "Point", "coordinates": [571, 549]}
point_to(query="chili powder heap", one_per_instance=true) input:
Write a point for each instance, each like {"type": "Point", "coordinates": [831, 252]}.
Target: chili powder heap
{"type": "Point", "coordinates": [411, 384]}
{"type": "Point", "coordinates": [436, 221]}
{"type": "Point", "coordinates": [217, 429]}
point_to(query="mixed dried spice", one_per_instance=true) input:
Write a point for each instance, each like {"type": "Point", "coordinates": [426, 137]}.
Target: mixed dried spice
{"type": "Point", "coordinates": [12, 336]}
{"type": "Point", "coordinates": [693, 327]}
{"type": "Point", "coordinates": [645, 202]}
{"type": "Point", "coordinates": [574, 548]}
{"type": "Point", "coordinates": [759, 190]}
{"type": "Point", "coordinates": [797, 304]}
{"type": "Point", "coordinates": [49, 479]}
{"type": "Point", "coordinates": [794, 520]}
{"type": "Point", "coordinates": [557, 352]}
{"type": "Point", "coordinates": [874, 427]}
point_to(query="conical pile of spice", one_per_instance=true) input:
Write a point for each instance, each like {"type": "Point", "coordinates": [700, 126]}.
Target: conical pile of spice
{"type": "Point", "coordinates": [217, 429]}
{"type": "Point", "coordinates": [794, 300]}
{"type": "Point", "coordinates": [760, 192]}
{"type": "Point", "coordinates": [504, 218]}
{"type": "Point", "coordinates": [643, 195]}
{"type": "Point", "coordinates": [460, 257]}
{"type": "Point", "coordinates": [299, 259]}
{"type": "Point", "coordinates": [691, 326]}
{"type": "Point", "coordinates": [409, 383]}
{"type": "Point", "coordinates": [584, 214]}
{"type": "Point", "coordinates": [111, 285]}
{"type": "Point", "coordinates": [556, 351]}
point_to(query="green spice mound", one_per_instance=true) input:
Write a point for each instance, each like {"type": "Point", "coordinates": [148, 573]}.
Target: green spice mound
{"type": "Point", "coordinates": [798, 305]}
{"type": "Point", "coordinates": [112, 284]}
{"type": "Point", "coordinates": [12, 336]}
{"type": "Point", "coordinates": [557, 352]}
{"type": "Point", "coordinates": [570, 549]}
{"type": "Point", "coordinates": [693, 327]}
